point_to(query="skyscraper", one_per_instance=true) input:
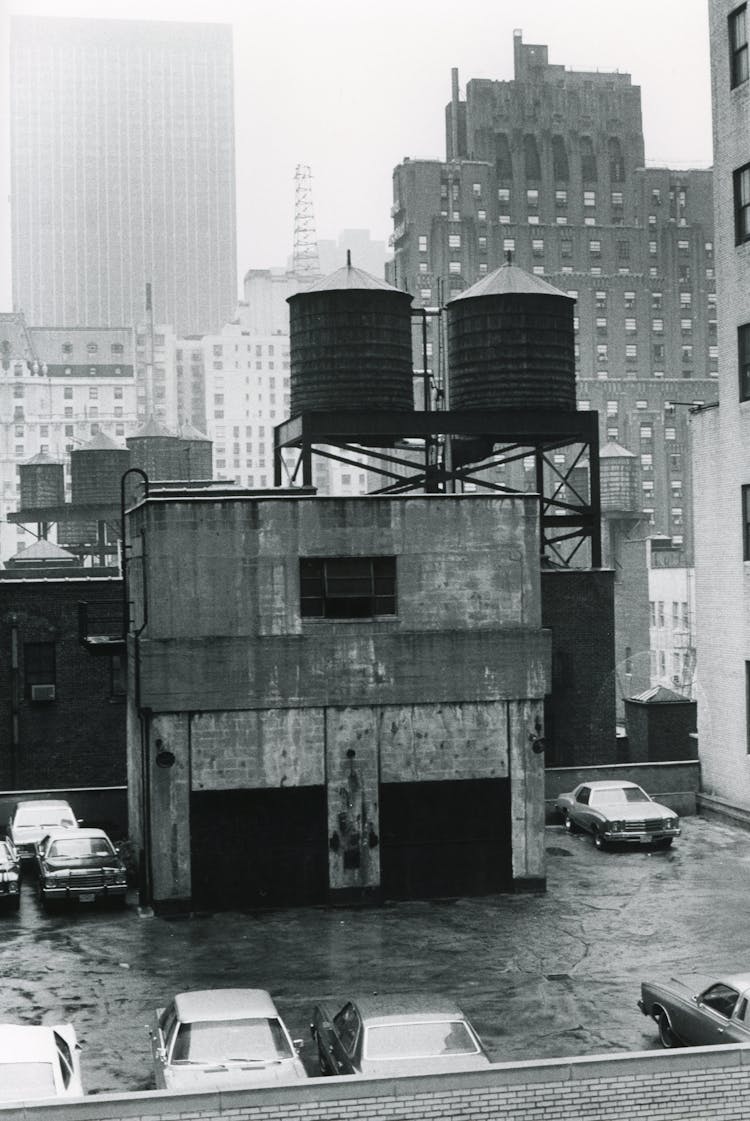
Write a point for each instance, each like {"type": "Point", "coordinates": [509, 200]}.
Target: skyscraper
{"type": "Point", "coordinates": [122, 154]}
{"type": "Point", "coordinates": [549, 169]}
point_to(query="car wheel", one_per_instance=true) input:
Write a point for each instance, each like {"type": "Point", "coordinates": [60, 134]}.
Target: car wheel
{"type": "Point", "coordinates": [570, 825]}
{"type": "Point", "coordinates": [599, 841]}
{"type": "Point", "coordinates": [666, 1034]}
{"type": "Point", "coordinates": [15, 903]}
{"type": "Point", "coordinates": [665, 843]}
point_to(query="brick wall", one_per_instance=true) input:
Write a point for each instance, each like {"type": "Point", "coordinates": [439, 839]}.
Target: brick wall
{"type": "Point", "coordinates": [700, 1083]}
{"type": "Point", "coordinates": [79, 738]}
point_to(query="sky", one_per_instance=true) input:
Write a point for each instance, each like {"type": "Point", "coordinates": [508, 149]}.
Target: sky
{"type": "Point", "coordinates": [351, 87]}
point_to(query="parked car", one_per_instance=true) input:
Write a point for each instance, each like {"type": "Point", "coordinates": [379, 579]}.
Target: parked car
{"type": "Point", "coordinates": [618, 812]}
{"type": "Point", "coordinates": [221, 1038]}
{"type": "Point", "coordinates": [80, 865]}
{"type": "Point", "coordinates": [696, 1011]}
{"type": "Point", "coordinates": [395, 1034]}
{"type": "Point", "coordinates": [10, 875]}
{"type": "Point", "coordinates": [32, 820]}
{"type": "Point", "coordinates": [38, 1062]}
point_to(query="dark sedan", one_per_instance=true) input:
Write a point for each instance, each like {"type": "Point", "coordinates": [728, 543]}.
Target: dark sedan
{"type": "Point", "coordinates": [696, 1011]}
{"type": "Point", "coordinates": [395, 1034]}
{"type": "Point", "coordinates": [80, 865]}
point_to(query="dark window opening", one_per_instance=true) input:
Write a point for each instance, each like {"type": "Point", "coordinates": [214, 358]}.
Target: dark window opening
{"type": "Point", "coordinates": [560, 167]}
{"type": "Point", "coordinates": [743, 358]}
{"type": "Point", "coordinates": [39, 670]}
{"type": "Point", "coordinates": [531, 158]}
{"type": "Point", "coordinates": [588, 160]}
{"type": "Point", "coordinates": [738, 60]}
{"type": "Point", "coordinates": [742, 204]}
{"type": "Point", "coordinates": [616, 162]}
{"type": "Point", "coordinates": [503, 159]}
{"type": "Point", "coordinates": [347, 587]}
{"type": "Point", "coordinates": [746, 522]}
{"type": "Point", "coordinates": [118, 686]}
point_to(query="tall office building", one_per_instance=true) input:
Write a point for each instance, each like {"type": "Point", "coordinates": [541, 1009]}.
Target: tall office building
{"type": "Point", "coordinates": [122, 154]}
{"type": "Point", "coordinates": [549, 169]}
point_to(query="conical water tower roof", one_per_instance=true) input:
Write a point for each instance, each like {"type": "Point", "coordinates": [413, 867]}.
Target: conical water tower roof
{"type": "Point", "coordinates": [101, 442]}
{"type": "Point", "coordinates": [613, 450]}
{"type": "Point", "coordinates": [348, 278]}
{"type": "Point", "coordinates": [42, 458]}
{"type": "Point", "coordinates": [189, 432]}
{"type": "Point", "coordinates": [509, 280]}
{"type": "Point", "coordinates": [152, 428]}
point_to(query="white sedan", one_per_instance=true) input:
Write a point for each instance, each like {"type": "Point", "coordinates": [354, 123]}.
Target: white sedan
{"type": "Point", "coordinates": [222, 1038]}
{"type": "Point", "coordinates": [618, 812]}
{"type": "Point", "coordinates": [38, 1062]}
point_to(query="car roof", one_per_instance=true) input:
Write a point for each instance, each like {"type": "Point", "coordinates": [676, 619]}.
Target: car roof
{"type": "Point", "coordinates": [223, 1004]}
{"type": "Point", "coordinates": [403, 1007]}
{"type": "Point", "coordinates": [47, 803]}
{"type": "Point", "coordinates": [610, 784]}
{"type": "Point", "coordinates": [63, 831]}
{"type": "Point", "coordinates": [26, 1043]}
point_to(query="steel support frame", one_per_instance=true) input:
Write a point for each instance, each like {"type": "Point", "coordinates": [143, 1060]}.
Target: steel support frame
{"type": "Point", "coordinates": [565, 525]}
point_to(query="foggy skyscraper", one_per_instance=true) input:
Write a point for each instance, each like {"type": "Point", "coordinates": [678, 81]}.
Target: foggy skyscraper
{"type": "Point", "coordinates": [122, 154]}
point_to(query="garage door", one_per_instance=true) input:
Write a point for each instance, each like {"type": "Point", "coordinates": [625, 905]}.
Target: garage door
{"type": "Point", "coordinates": [445, 838]}
{"type": "Point", "coordinates": [259, 848]}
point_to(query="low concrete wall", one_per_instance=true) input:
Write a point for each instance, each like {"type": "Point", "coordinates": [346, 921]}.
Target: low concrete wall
{"type": "Point", "coordinates": [104, 807]}
{"type": "Point", "coordinates": [721, 810]}
{"type": "Point", "coordinates": [675, 784]}
{"type": "Point", "coordinates": [695, 1082]}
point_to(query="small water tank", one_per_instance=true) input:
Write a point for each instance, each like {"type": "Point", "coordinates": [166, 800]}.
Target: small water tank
{"type": "Point", "coordinates": [511, 344]}
{"type": "Point", "coordinates": [617, 479]}
{"type": "Point", "coordinates": [197, 453]}
{"type": "Point", "coordinates": [350, 345]}
{"type": "Point", "coordinates": [42, 482]}
{"type": "Point", "coordinates": [158, 452]}
{"type": "Point", "coordinates": [96, 470]}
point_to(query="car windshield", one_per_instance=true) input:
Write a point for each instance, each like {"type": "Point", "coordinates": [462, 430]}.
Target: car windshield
{"type": "Point", "coordinates": [5, 854]}
{"type": "Point", "coordinates": [419, 1040]}
{"type": "Point", "coordinates": [42, 816]}
{"type": "Point", "coordinates": [73, 848]}
{"type": "Point", "coordinates": [26, 1080]}
{"type": "Point", "coordinates": [215, 1041]}
{"type": "Point", "coordinates": [619, 794]}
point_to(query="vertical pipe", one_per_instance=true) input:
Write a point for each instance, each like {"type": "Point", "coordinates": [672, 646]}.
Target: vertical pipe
{"type": "Point", "coordinates": [14, 682]}
{"type": "Point", "coordinates": [454, 114]}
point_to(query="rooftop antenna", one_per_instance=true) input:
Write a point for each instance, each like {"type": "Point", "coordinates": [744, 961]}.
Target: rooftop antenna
{"type": "Point", "coordinates": [305, 261]}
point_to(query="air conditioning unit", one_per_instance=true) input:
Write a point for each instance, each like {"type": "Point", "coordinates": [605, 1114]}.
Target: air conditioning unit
{"type": "Point", "coordinates": [42, 692]}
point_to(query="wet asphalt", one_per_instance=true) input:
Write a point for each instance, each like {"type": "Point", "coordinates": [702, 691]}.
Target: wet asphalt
{"type": "Point", "coordinates": [539, 975]}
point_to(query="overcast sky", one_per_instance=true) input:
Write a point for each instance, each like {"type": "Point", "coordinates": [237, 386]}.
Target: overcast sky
{"type": "Point", "coordinates": [351, 87]}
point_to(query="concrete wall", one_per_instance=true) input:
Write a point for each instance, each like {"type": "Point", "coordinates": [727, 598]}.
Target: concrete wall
{"type": "Point", "coordinates": [695, 1082]}
{"type": "Point", "coordinates": [78, 739]}
{"type": "Point", "coordinates": [246, 694]}
{"type": "Point", "coordinates": [674, 784]}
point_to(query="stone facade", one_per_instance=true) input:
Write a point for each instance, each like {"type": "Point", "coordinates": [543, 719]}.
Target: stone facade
{"type": "Point", "coordinates": [721, 449]}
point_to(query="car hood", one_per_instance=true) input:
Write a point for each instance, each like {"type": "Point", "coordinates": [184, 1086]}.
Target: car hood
{"type": "Point", "coordinates": [638, 811]}
{"type": "Point", "coordinates": [222, 1076]}
{"type": "Point", "coordinates": [82, 864]}
{"type": "Point", "coordinates": [444, 1064]}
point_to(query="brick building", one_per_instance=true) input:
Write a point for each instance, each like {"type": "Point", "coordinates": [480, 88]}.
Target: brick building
{"type": "Point", "coordinates": [62, 711]}
{"type": "Point", "coordinates": [721, 440]}
{"type": "Point", "coordinates": [335, 698]}
{"type": "Point", "coordinates": [549, 167]}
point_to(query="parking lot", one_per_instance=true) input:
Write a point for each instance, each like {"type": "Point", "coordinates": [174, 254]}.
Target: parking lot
{"type": "Point", "coordinates": [540, 975]}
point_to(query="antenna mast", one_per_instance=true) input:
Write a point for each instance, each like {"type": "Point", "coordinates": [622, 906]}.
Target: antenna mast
{"type": "Point", "coordinates": [305, 261]}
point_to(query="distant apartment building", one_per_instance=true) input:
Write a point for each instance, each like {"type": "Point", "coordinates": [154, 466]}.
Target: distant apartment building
{"type": "Point", "coordinates": [59, 387]}
{"type": "Point", "coordinates": [721, 442]}
{"type": "Point", "coordinates": [122, 171]}
{"type": "Point", "coordinates": [548, 169]}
